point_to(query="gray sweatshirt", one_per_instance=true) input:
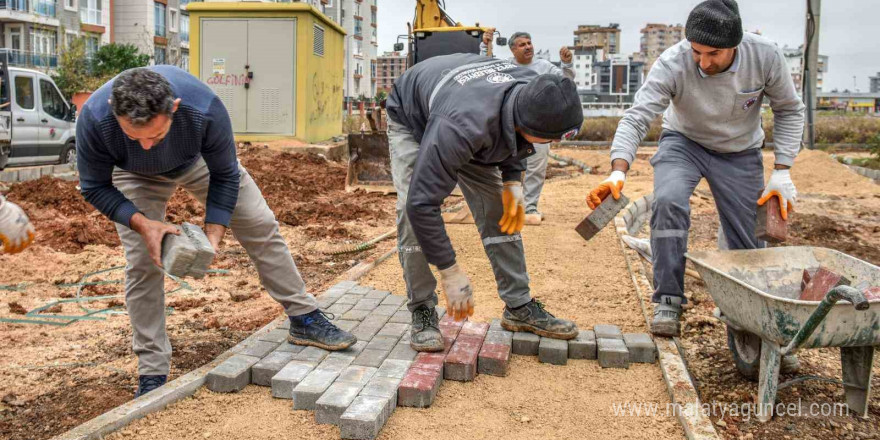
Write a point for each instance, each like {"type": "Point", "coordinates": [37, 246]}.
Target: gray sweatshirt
{"type": "Point", "coordinates": [539, 66]}
{"type": "Point", "coordinates": [720, 112]}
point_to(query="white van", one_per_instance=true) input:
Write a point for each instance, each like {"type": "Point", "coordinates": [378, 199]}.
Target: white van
{"type": "Point", "coordinates": [37, 126]}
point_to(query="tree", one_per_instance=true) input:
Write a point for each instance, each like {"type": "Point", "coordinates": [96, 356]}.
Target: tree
{"type": "Point", "coordinates": [111, 59]}
{"type": "Point", "coordinates": [74, 73]}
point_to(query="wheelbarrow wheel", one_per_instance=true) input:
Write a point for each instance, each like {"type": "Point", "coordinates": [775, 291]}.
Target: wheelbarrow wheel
{"type": "Point", "coordinates": [746, 349]}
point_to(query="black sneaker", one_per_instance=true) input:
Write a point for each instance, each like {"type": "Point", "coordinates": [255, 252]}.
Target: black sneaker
{"type": "Point", "coordinates": [425, 334]}
{"type": "Point", "coordinates": [533, 318]}
{"type": "Point", "coordinates": [316, 330]}
{"type": "Point", "coordinates": [147, 383]}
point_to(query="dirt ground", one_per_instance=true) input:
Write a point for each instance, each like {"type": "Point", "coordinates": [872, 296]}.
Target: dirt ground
{"type": "Point", "coordinates": [56, 377]}
{"type": "Point", "coordinates": [584, 281]}
{"type": "Point", "coordinates": [837, 209]}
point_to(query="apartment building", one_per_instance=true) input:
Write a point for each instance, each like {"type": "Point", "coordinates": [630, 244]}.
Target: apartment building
{"type": "Point", "coordinates": [389, 67]}
{"type": "Point", "coordinates": [359, 19]}
{"type": "Point", "coordinates": [33, 32]}
{"type": "Point", "coordinates": [583, 62]}
{"type": "Point", "coordinates": [606, 38]}
{"type": "Point", "coordinates": [154, 26]}
{"type": "Point", "coordinates": [656, 38]}
{"type": "Point", "coordinates": [794, 58]}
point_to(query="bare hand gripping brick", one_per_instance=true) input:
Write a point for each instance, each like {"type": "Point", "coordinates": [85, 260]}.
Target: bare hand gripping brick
{"type": "Point", "coordinates": [187, 254]}
{"type": "Point", "coordinates": [601, 216]}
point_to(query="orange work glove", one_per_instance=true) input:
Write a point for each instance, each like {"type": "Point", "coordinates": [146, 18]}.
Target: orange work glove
{"type": "Point", "coordinates": [780, 185]}
{"type": "Point", "coordinates": [457, 292]}
{"type": "Point", "coordinates": [514, 216]}
{"type": "Point", "coordinates": [612, 185]}
{"type": "Point", "coordinates": [16, 231]}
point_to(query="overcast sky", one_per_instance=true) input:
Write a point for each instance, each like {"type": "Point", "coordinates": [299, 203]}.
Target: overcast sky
{"type": "Point", "coordinates": [848, 33]}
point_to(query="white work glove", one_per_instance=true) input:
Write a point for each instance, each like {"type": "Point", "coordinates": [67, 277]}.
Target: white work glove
{"type": "Point", "coordinates": [781, 186]}
{"type": "Point", "coordinates": [612, 185]}
{"type": "Point", "coordinates": [514, 216]}
{"type": "Point", "coordinates": [16, 231]}
{"type": "Point", "coordinates": [457, 292]}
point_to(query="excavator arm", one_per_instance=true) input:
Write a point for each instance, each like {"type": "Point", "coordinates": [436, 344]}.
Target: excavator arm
{"type": "Point", "coordinates": [429, 14]}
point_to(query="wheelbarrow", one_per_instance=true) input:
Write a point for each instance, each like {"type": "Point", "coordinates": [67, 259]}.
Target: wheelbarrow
{"type": "Point", "coordinates": [756, 295]}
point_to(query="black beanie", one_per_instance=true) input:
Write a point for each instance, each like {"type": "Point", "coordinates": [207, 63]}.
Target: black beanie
{"type": "Point", "coordinates": [715, 23]}
{"type": "Point", "coordinates": [548, 107]}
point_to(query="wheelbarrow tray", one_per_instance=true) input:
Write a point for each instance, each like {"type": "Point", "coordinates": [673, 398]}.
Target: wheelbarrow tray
{"type": "Point", "coordinates": [757, 290]}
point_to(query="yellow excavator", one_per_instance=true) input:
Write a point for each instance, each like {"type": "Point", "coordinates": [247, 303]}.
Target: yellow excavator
{"type": "Point", "coordinates": [432, 32]}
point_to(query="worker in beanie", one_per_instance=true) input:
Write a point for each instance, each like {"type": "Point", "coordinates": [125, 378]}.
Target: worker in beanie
{"type": "Point", "coordinates": [709, 88]}
{"type": "Point", "coordinates": [464, 120]}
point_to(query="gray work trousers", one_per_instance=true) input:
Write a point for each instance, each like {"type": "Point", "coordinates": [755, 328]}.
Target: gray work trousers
{"type": "Point", "coordinates": [253, 224]}
{"type": "Point", "coordinates": [736, 181]}
{"type": "Point", "coordinates": [481, 187]}
{"type": "Point", "coordinates": [536, 171]}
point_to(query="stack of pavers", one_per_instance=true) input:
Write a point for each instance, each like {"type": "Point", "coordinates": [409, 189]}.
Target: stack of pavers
{"type": "Point", "coordinates": [188, 254]}
{"type": "Point", "coordinates": [358, 389]}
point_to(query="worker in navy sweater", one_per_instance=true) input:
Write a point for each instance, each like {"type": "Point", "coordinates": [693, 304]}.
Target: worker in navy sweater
{"type": "Point", "coordinates": [138, 138]}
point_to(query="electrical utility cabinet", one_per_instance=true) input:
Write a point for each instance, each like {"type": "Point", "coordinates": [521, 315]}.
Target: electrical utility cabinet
{"type": "Point", "coordinates": [277, 67]}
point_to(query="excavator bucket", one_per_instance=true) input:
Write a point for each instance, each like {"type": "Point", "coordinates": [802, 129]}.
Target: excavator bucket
{"type": "Point", "coordinates": [369, 159]}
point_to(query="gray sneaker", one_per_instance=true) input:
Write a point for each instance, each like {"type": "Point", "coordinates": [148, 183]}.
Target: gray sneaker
{"type": "Point", "coordinates": [425, 334]}
{"type": "Point", "coordinates": [666, 320]}
{"type": "Point", "coordinates": [533, 318]}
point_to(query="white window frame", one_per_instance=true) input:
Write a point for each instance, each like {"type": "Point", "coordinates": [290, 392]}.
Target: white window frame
{"type": "Point", "coordinates": [70, 36]}
{"type": "Point", "coordinates": [74, 8]}
{"type": "Point", "coordinates": [173, 19]}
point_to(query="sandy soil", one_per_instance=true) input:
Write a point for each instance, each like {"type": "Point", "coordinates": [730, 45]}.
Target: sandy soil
{"type": "Point", "coordinates": [837, 209]}
{"type": "Point", "coordinates": [584, 281]}
{"type": "Point", "coordinates": [54, 378]}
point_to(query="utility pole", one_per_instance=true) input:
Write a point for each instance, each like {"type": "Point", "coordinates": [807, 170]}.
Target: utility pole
{"type": "Point", "coordinates": [811, 70]}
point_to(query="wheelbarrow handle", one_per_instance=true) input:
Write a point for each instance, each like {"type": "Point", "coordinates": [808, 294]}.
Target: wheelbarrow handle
{"type": "Point", "coordinates": [847, 293]}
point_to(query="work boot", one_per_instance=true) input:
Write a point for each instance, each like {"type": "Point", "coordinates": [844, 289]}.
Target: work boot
{"type": "Point", "coordinates": [316, 330]}
{"type": "Point", "coordinates": [533, 318]}
{"type": "Point", "coordinates": [666, 320]}
{"type": "Point", "coordinates": [147, 383]}
{"type": "Point", "coordinates": [790, 364]}
{"type": "Point", "coordinates": [534, 218]}
{"type": "Point", "coordinates": [425, 334]}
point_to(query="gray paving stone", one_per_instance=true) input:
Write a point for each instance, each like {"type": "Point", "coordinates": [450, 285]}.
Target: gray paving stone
{"type": "Point", "coordinates": [348, 298]}
{"type": "Point", "coordinates": [385, 388]}
{"type": "Point", "coordinates": [583, 346]}
{"type": "Point", "coordinates": [276, 336]}
{"type": "Point", "coordinates": [346, 325]}
{"type": "Point", "coordinates": [26, 174]}
{"type": "Point", "coordinates": [285, 324]}
{"type": "Point", "coordinates": [264, 370]}
{"type": "Point", "coordinates": [441, 311]}
{"type": "Point", "coordinates": [260, 348]}
{"type": "Point", "coordinates": [336, 362]}
{"type": "Point", "coordinates": [307, 393]}
{"type": "Point", "coordinates": [403, 352]}
{"type": "Point", "coordinates": [377, 320]}
{"type": "Point", "coordinates": [338, 310]}
{"type": "Point", "coordinates": [401, 317]}
{"type": "Point", "coordinates": [394, 300]}
{"type": "Point", "coordinates": [386, 310]}
{"type": "Point", "coordinates": [495, 326]}
{"type": "Point", "coordinates": [357, 374]}
{"type": "Point", "coordinates": [553, 351]}
{"type": "Point", "coordinates": [407, 335]}
{"type": "Point", "coordinates": [325, 302]}
{"type": "Point", "coordinates": [380, 342]}
{"type": "Point", "coordinates": [355, 314]}
{"type": "Point", "coordinates": [311, 354]}
{"type": "Point", "coordinates": [355, 349]}
{"type": "Point", "coordinates": [607, 331]}
{"type": "Point", "coordinates": [344, 285]}
{"type": "Point", "coordinates": [612, 353]}
{"type": "Point", "coordinates": [393, 329]}
{"type": "Point", "coordinates": [371, 358]}
{"type": "Point", "coordinates": [360, 290]}
{"type": "Point", "coordinates": [231, 375]}
{"type": "Point", "coordinates": [287, 347]}
{"type": "Point", "coordinates": [367, 304]}
{"type": "Point", "coordinates": [289, 377]}
{"type": "Point", "coordinates": [641, 347]}
{"type": "Point", "coordinates": [9, 176]}
{"type": "Point", "coordinates": [393, 368]}
{"type": "Point", "coordinates": [333, 403]}
{"type": "Point", "coordinates": [363, 419]}
{"type": "Point", "coordinates": [502, 337]}
{"type": "Point", "coordinates": [365, 332]}
{"type": "Point", "coordinates": [377, 294]}
{"type": "Point", "coordinates": [525, 343]}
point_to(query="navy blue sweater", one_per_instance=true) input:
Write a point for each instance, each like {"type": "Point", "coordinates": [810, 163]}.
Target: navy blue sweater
{"type": "Point", "coordinates": [200, 128]}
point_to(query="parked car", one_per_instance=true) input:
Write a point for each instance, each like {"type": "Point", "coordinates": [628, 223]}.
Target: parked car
{"type": "Point", "coordinates": [37, 126]}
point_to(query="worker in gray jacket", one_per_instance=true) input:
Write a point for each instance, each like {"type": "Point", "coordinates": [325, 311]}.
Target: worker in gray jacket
{"type": "Point", "coordinates": [710, 87]}
{"type": "Point", "coordinates": [467, 120]}
{"type": "Point", "coordinates": [520, 44]}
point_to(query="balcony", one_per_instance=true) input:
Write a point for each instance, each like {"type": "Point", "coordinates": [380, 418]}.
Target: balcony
{"type": "Point", "coordinates": [28, 11]}
{"type": "Point", "coordinates": [22, 58]}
